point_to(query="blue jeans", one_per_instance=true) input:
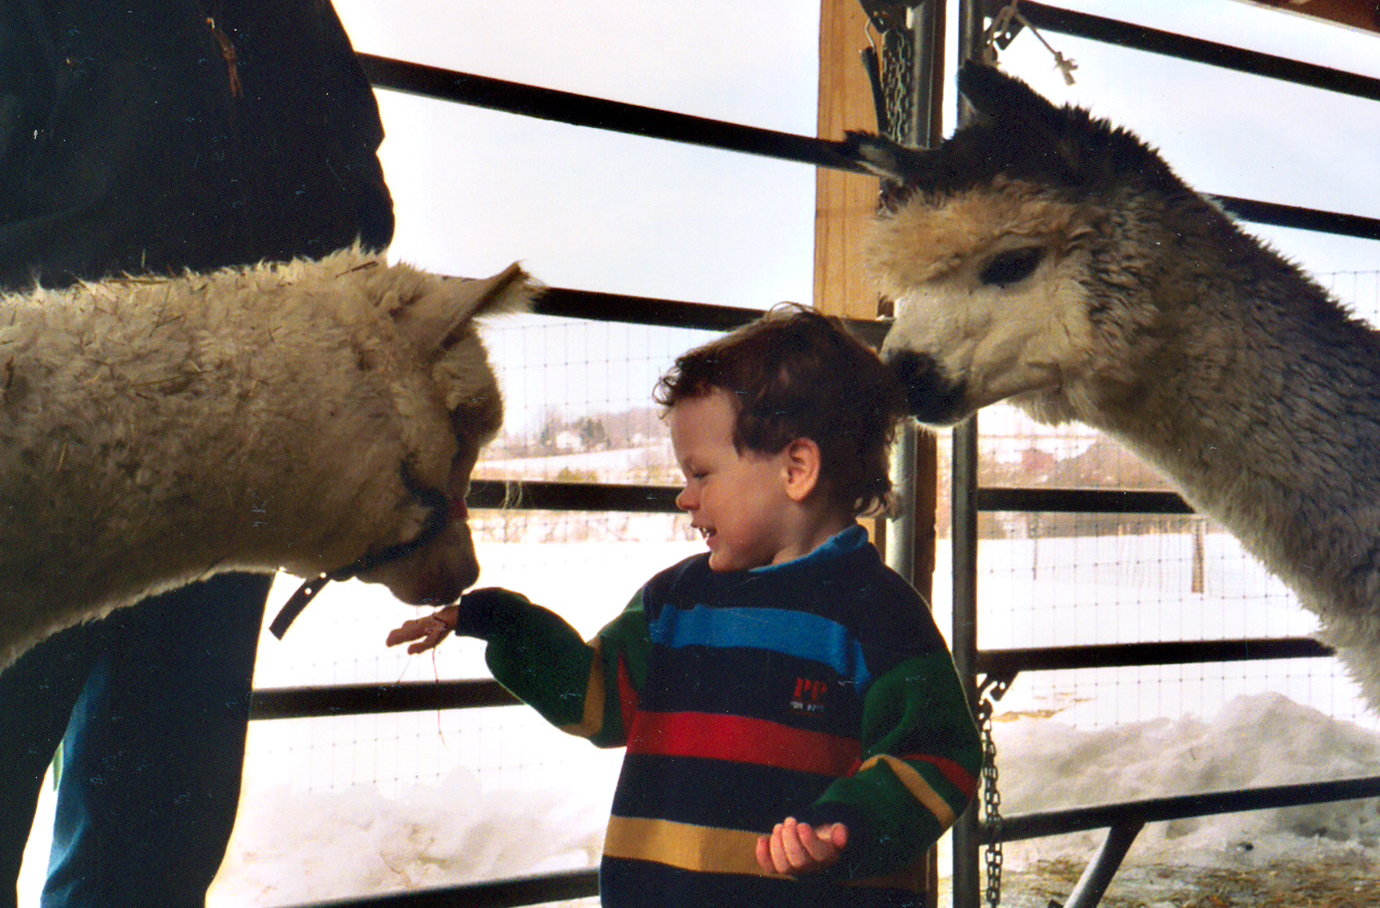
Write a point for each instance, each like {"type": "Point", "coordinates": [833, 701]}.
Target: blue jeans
{"type": "Point", "coordinates": [151, 706]}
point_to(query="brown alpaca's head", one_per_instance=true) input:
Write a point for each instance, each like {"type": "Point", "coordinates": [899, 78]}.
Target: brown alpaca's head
{"type": "Point", "coordinates": [1015, 250]}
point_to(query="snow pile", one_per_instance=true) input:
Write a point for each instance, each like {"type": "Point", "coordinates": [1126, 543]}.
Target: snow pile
{"type": "Point", "coordinates": [1258, 740]}
{"type": "Point", "coordinates": [294, 847]}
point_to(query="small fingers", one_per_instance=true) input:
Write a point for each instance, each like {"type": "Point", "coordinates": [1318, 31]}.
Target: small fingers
{"type": "Point", "coordinates": [819, 850]}
{"type": "Point", "coordinates": [764, 854]}
{"type": "Point", "coordinates": [429, 631]}
{"type": "Point", "coordinates": [792, 846]}
{"type": "Point", "coordinates": [795, 847]}
{"type": "Point", "coordinates": [432, 640]}
{"type": "Point", "coordinates": [410, 630]}
{"type": "Point", "coordinates": [777, 851]}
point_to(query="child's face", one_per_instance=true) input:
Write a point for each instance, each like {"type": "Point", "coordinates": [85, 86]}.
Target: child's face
{"type": "Point", "coordinates": [737, 501]}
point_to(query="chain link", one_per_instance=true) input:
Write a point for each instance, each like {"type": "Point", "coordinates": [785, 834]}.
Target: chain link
{"type": "Point", "coordinates": [898, 64]}
{"type": "Point", "coordinates": [992, 690]}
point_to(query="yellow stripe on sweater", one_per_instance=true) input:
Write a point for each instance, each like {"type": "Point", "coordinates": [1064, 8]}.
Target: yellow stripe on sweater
{"type": "Point", "coordinates": [917, 786]}
{"type": "Point", "coordinates": [592, 722]}
{"type": "Point", "coordinates": [710, 849]}
{"type": "Point", "coordinates": [706, 849]}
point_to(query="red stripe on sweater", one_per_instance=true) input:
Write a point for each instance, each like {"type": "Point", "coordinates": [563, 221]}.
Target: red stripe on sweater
{"type": "Point", "coordinates": [959, 777]}
{"type": "Point", "coordinates": [742, 740]}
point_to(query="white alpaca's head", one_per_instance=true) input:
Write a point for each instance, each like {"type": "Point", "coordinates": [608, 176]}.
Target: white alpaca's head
{"type": "Point", "coordinates": [320, 416]}
{"type": "Point", "coordinates": [436, 316]}
{"type": "Point", "coordinates": [1014, 252]}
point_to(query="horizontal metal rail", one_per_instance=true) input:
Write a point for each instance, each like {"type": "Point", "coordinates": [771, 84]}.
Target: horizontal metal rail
{"type": "Point", "coordinates": [1006, 663]}
{"type": "Point", "coordinates": [418, 696]}
{"type": "Point", "coordinates": [598, 113]}
{"type": "Point", "coordinates": [1197, 50]}
{"type": "Point", "coordinates": [1125, 821]}
{"type": "Point", "coordinates": [1255, 63]}
{"type": "Point", "coordinates": [540, 495]}
{"type": "Point", "coordinates": [371, 699]}
{"type": "Point", "coordinates": [632, 119]}
{"type": "Point", "coordinates": [1155, 810]}
{"type": "Point", "coordinates": [534, 890]}
{"type": "Point", "coordinates": [592, 305]}
{"type": "Point", "coordinates": [1079, 501]}
{"type": "Point", "coordinates": [1301, 218]}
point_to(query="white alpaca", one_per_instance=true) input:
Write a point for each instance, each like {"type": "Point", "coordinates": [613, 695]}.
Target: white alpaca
{"type": "Point", "coordinates": [1048, 258]}
{"type": "Point", "coordinates": [157, 430]}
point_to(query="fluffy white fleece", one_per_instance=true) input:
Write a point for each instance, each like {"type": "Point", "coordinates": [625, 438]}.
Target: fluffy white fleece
{"type": "Point", "coordinates": [156, 430]}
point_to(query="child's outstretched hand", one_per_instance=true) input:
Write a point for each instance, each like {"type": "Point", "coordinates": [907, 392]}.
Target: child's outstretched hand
{"type": "Point", "coordinates": [796, 848]}
{"type": "Point", "coordinates": [428, 631]}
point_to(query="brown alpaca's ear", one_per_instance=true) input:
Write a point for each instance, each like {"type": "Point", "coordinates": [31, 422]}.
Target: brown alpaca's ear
{"type": "Point", "coordinates": [1007, 101]}
{"type": "Point", "coordinates": [440, 317]}
{"type": "Point", "coordinates": [1029, 126]}
{"type": "Point", "coordinates": [890, 161]}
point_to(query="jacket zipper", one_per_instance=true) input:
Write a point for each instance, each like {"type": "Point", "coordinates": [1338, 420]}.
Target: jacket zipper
{"type": "Point", "coordinates": [227, 50]}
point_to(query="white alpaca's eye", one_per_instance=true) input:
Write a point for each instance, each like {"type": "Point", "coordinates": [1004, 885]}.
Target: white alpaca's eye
{"type": "Point", "coordinates": [1011, 267]}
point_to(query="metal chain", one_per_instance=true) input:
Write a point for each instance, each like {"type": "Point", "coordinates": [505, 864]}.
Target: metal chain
{"type": "Point", "coordinates": [897, 66]}
{"type": "Point", "coordinates": [992, 690]}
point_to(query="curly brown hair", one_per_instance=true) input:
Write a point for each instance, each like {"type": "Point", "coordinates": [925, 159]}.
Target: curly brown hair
{"type": "Point", "coordinates": [798, 374]}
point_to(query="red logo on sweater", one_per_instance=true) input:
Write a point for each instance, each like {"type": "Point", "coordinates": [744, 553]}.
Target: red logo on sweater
{"type": "Point", "coordinates": [809, 695]}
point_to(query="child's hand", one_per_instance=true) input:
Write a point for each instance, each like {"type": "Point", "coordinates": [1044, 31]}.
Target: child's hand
{"type": "Point", "coordinates": [796, 848]}
{"type": "Point", "coordinates": [429, 631]}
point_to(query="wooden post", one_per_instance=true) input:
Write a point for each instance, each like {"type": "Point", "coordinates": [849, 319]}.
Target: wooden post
{"type": "Point", "coordinates": [844, 202]}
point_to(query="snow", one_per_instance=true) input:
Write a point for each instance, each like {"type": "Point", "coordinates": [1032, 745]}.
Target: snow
{"type": "Point", "coordinates": [294, 847]}
{"type": "Point", "coordinates": [1253, 741]}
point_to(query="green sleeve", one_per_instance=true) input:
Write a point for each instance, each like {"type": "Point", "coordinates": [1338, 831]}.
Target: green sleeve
{"type": "Point", "coordinates": [581, 687]}
{"type": "Point", "coordinates": [921, 755]}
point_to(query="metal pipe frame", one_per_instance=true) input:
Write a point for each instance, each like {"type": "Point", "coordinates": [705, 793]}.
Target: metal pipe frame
{"type": "Point", "coordinates": [1181, 807]}
{"type": "Point", "coordinates": [1196, 50]}
{"type": "Point", "coordinates": [531, 890]}
{"type": "Point", "coordinates": [1124, 821]}
{"type": "Point", "coordinates": [1098, 875]}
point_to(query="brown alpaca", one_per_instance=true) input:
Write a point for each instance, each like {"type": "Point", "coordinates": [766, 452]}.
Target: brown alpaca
{"type": "Point", "coordinates": [1048, 258]}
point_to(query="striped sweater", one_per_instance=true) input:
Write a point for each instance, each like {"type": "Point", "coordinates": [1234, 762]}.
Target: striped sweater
{"type": "Point", "coordinates": [819, 689]}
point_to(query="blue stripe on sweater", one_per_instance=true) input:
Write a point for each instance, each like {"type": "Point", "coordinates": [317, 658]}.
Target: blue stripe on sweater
{"type": "Point", "coordinates": [797, 634]}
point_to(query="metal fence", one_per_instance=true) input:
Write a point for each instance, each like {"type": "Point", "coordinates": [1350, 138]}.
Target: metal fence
{"type": "Point", "coordinates": [972, 500]}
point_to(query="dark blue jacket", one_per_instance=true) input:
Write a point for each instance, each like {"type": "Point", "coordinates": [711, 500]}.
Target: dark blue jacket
{"type": "Point", "coordinates": [156, 135]}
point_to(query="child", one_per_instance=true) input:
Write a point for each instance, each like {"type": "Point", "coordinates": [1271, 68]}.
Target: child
{"type": "Point", "coordinates": [796, 733]}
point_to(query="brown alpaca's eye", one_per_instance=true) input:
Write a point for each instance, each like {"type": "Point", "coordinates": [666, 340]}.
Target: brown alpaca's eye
{"type": "Point", "coordinates": [1011, 267]}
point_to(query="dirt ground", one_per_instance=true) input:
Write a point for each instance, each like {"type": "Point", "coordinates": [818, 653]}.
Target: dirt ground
{"type": "Point", "coordinates": [1340, 881]}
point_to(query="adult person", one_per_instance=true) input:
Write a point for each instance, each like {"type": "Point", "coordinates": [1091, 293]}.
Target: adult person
{"type": "Point", "coordinates": [156, 136]}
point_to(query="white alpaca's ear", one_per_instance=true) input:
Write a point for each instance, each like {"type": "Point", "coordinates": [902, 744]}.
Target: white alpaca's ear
{"type": "Point", "coordinates": [441, 316]}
